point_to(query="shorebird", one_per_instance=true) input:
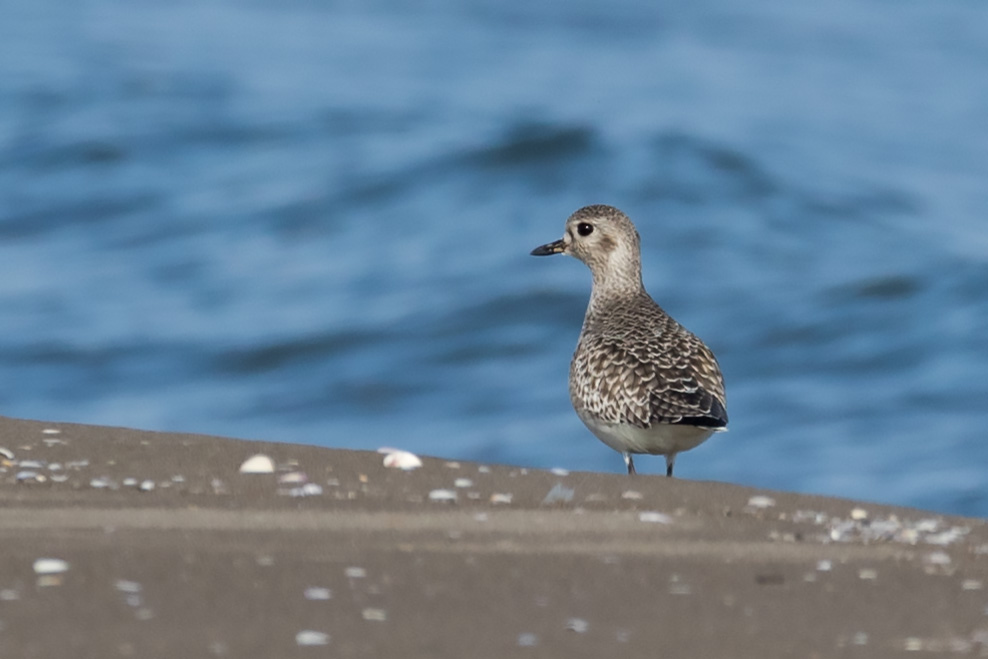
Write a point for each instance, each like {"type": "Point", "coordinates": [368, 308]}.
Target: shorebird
{"type": "Point", "coordinates": [640, 381]}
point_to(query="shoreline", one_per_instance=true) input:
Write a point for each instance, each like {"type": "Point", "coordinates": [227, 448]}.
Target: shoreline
{"type": "Point", "coordinates": [169, 549]}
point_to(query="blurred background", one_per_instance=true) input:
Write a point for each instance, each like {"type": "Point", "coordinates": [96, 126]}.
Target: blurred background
{"type": "Point", "coordinates": [310, 222]}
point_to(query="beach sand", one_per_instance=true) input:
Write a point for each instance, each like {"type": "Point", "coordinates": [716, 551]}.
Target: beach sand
{"type": "Point", "coordinates": [169, 551]}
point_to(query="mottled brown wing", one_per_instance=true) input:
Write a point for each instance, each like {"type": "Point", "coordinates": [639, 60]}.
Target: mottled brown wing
{"type": "Point", "coordinates": [671, 378]}
{"type": "Point", "coordinates": [694, 387]}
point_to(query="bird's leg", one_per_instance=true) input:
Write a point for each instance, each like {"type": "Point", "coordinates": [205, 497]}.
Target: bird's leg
{"type": "Point", "coordinates": [670, 460]}
{"type": "Point", "coordinates": [631, 464]}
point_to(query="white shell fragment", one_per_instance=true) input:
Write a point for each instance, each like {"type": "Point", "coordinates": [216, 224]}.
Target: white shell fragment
{"type": "Point", "coordinates": [501, 498]}
{"type": "Point", "coordinates": [311, 489]}
{"type": "Point", "coordinates": [310, 637]}
{"type": "Point", "coordinates": [654, 517]}
{"type": "Point", "coordinates": [463, 482]}
{"type": "Point", "coordinates": [398, 459]}
{"type": "Point", "coordinates": [378, 615]}
{"type": "Point", "coordinates": [859, 514]}
{"type": "Point", "coordinates": [130, 587]}
{"type": "Point", "coordinates": [307, 490]}
{"type": "Point", "coordinates": [50, 566]}
{"type": "Point", "coordinates": [559, 471]}
{"type": "Point", "coordinates": [761, 501]}
{"type": "Point", "coordinates": [558, 493]}
{"type": "Point", "coordinates": [448, 496]}
{"type": "Point", "coordinates": [578, 625]}
{"type": "Point", "coordinates": [528, 640]}
{"type": "Point", "coordinates": [316, 593]}
{"type": "Point", "coordinates": [7, 453]}
{"type": "Point", "coordinates": [948, 536]}
{"type": "Point", "coordinates": [258, 464]}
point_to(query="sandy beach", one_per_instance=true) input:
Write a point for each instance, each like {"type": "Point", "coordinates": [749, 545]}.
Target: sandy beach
{"type": "Point", "coordinates": [120, 542]}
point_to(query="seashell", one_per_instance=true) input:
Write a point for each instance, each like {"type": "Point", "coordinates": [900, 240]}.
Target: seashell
{"type": "Point", "coordinates": [257, 464]}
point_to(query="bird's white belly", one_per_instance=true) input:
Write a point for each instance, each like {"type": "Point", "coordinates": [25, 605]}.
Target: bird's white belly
{"type": "Point", "coordinates": [660, 439]}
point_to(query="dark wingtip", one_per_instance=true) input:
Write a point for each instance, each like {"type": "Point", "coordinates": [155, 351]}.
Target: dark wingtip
{"type": "Point", "coordinates": [716, 418]}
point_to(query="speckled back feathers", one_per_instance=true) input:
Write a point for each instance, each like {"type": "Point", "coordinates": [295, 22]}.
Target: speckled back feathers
{"type": "Point", "coordinates": [636, 365]}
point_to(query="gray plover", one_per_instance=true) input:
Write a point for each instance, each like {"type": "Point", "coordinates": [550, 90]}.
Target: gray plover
{"type": "Point", "coordinates": [640, 381]}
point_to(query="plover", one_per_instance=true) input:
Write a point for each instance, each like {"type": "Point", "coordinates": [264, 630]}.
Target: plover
{"type": "Point", "coordinates": [640, 381]}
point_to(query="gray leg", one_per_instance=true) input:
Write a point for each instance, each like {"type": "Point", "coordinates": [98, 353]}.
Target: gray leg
{"type": "Point", "coordinates": [670, 460]}
{"type": "Point", "coordinates": [631, 463]}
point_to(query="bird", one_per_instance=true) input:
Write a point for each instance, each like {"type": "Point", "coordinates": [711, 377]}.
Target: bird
{"type": "Point", "coordinates": [641, 382]}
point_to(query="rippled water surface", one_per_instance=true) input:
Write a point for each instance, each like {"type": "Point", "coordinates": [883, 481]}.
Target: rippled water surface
{"type": "Point", "coordinates": [311, 222]}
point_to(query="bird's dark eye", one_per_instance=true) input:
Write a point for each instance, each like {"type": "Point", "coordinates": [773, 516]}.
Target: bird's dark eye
{"type": "Point", "coordinates": [584, 229]}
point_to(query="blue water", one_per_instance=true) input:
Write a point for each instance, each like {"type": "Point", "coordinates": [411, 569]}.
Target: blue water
{"type": "Point", "coordinates": [310, 222]}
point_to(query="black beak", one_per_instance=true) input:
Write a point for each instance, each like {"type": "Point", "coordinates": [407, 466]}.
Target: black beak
{"type": "Point", "coordinates": [551, 248]}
